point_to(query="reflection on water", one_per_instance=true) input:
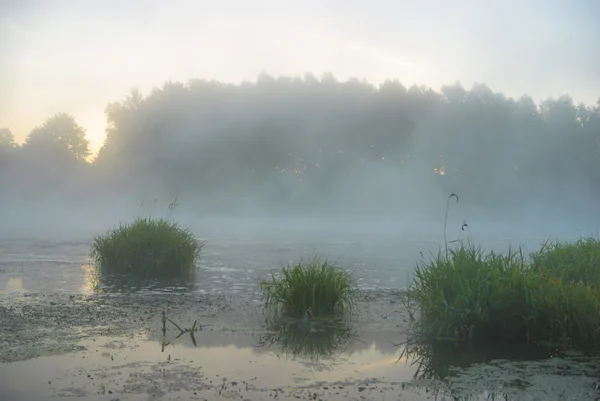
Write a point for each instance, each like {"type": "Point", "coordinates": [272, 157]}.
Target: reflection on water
{"type": "Point", "coordinates": [13, 284]}
{"type": "Point", "coordinates": [223, 365]}
{"type": "Point", "coordinates": [123, 284]}
{"type": "Point", "coordinates": [461, 371]}
{"type": "Point", "coordinates": [157, 358]}
{"type": "Point", "coordinates": [91, 281]}
{"type": "Point", "coordinates": [312, 339]}
{"type": "Point", "coordinates": [226, 365]}
{"type": "Point", "coordinates": [440, 360]}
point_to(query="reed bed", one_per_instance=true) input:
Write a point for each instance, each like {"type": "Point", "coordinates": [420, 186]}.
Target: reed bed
{"type": "Point", "coordinates": [549, 297]}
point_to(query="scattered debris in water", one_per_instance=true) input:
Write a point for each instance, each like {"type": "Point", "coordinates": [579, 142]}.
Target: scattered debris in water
{"type": "Point", "coordinates": [131, 347]}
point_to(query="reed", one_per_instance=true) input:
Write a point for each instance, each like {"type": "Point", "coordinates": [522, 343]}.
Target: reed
{"type": "Point", "coordinates": [147, 248]}
{"type": "Point", "coordinates": [313, 288]}
{"type": "Point", "coordinates": [549, 297]}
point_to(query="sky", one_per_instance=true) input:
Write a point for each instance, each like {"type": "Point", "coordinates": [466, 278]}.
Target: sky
{"type": "Point", "coordinates": [77, 56]}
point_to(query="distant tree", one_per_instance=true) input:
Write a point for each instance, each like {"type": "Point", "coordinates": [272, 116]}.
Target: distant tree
{"type": "Point", "coordinates": [60, 132]}
{"type": "Point", "coordinates": [8, 148]}
{"type": "Point", "coordinates": [7, 139]}
{"type": "Point", "coordinates": [315, 139]}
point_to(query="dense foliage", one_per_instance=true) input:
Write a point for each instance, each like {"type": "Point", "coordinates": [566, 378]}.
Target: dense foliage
{"type": "Point", "coordinates": [552, 296]}
{"type": "Point", "coordinates": [147, 248]}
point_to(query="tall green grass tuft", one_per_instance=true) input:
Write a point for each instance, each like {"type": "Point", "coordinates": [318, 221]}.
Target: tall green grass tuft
{"type": "Point", "coordinates": [572, 262]}
{"type": "Point", "coordinates": [147, 248]}
{"type": "Point", "coordinates": [314, 288]}
{"type": "Point", "coordinates": [550, 297]}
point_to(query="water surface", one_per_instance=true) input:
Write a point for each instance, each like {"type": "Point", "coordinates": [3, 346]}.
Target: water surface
{"type": "Point", "coordinates": [239, 255]}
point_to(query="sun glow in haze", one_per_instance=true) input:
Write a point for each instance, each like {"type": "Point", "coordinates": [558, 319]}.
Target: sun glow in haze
{"type": "Point", "coordinates": [13, 284]}
{"type": "Point", "coordinates": [76, 57]}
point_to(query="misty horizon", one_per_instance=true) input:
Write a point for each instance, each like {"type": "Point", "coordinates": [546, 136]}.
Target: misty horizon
{"type": "Point", "coordinates": [20, 139]}
{"type": "Point", "coordinates": [306, 110]}
{"type": "Point", "coordinates": [312, 148]}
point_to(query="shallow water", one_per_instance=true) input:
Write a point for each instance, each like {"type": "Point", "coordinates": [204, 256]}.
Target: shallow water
{"type": "Point", "coordinates": [222, 366]}
{"type": "Point", "coordinates": [117, 348]}
{"type": "Point", "coordinates": [110, 347]}
{"type": "Point", "coordinates": [237, 257]}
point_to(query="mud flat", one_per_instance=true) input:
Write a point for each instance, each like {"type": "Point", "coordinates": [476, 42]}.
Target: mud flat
{"type": "Point", "coordinates": [120, 347]}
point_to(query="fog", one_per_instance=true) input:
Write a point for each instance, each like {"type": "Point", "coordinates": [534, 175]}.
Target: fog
{"type": "Point", "coordinates": [293, 150]}
{"type": "Point", "coordinates": [304, 152]}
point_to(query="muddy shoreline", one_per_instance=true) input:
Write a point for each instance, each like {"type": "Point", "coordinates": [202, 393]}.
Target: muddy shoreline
{"type": "Point", "coordinates": [115, 347]}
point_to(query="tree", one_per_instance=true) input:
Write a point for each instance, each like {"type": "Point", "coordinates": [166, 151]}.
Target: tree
{"type": "Point", "coordinates": [8, 148]}
{"type": "Point", "coordinates": [7, 139]}
{"type": "Point", "coordinates": [324, 138]}
{"type": "Point", "coordinates": [60, 132]}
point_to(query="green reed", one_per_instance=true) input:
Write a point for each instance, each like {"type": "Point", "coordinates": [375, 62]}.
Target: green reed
{"type": "Point", "coordinates": [148, 248]}
{"type": "Point", "coordinates": [552, 296]}
{"type": "Point", "coordinates": [313, 288]}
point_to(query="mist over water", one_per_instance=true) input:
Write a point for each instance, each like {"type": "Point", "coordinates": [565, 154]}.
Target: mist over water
{"type": "Point", "coordinates": [373, 135]}
{"type": "Point", "coordinates": [291, 167]}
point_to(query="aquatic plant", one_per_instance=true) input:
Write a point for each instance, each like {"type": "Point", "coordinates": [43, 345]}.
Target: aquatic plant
{"type": "Point", "coordinates": [147, 248]}
{"type": "Point", "coordinates": [313, 288]}
{"type": "Point", "coordinates": [446, 220]}
{"type": "Point", "coordinates": [550, 297]}
{"type": "Point", "coordinates": [572, 262]}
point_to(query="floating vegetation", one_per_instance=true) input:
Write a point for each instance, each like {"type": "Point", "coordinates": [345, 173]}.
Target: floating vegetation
{"type": "Point", "coordinates": [310, 289]}
{"type": "Point", "coordinates": [147, 248]}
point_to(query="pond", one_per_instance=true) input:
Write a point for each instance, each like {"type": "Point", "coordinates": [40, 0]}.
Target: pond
{"type": "Point", "coordinates": [122, 347]}
{"type": "Point", "coordinates": [239, 254]}
{"type": "Point", "coordinates": [59, 339]}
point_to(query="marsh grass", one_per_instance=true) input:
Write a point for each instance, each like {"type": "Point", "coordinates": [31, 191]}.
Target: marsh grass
{"type": "Point", "coordinates": [147, 248]}
{"type": "Point", "coordinates": [550, 297]}
{"type": "Point", "coordinates": [310, 289]}
{"type": "Point", "coordinates": [577, 262]}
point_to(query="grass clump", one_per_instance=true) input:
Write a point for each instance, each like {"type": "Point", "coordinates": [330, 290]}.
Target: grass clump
{"type": "Point", "coordinates": [550, 297]}
{"type": "Point", "coordinates": [314, 288]}
{"type": "Point", "coordinates": [577, 262]}
{"type": "Point", "coordinates": [147, 248]}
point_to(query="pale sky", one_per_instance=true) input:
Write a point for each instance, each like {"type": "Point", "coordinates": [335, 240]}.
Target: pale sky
{"type": "Point", "coordinates": [76, 56]}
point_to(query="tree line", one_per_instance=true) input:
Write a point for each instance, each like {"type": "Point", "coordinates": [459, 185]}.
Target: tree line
{"type": "Point", "coordinates": [311, 144]}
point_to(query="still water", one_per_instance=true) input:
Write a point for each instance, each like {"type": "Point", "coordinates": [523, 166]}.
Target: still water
{"type": "Point", "coordinates": [239, 254]}
{"type": "Point", "coordinates": [118, 346]}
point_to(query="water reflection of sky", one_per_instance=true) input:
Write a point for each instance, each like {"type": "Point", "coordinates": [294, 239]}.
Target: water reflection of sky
{"type": "Point", "coordinates": [227, 366]}
{"type": "Point", "coordinates": [126, 365]}
{"type": "Point", "coordinates": [233, 265]}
